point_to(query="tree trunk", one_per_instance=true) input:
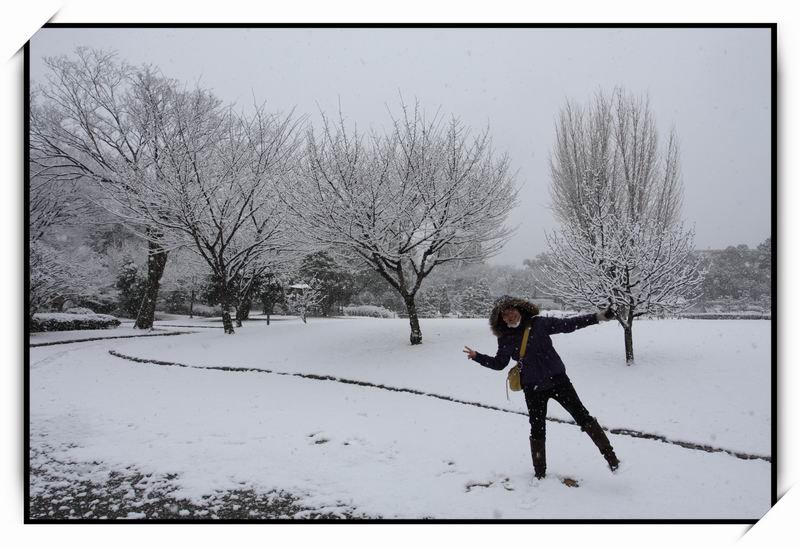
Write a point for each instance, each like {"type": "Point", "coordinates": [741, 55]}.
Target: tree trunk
{"type": "Point", "coordinates": [191, 302]}
{"type": "Point", "coordinates": [416, 332]}
{"type": "Point", "coordinates": [628, 330]}
{"type": "Point", "coordinates": [227, 323]}
{"type": "Point", "coordinates": [156, 262]}
{"type": "Point", "coordinates": [267, 304]}
{"type": "Point", "coordinates": [242, 312]}
{"type": "Point", "coordinates": [238, 314]}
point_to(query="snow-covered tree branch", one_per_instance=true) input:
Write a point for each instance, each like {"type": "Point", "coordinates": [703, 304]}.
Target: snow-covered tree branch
{"type": "Point", "coordinates": [217, 191]}
{"type": "Point", "coordinates": [422, 194]}
{"type": "Point", "coordinates": [618, 197]}
{"type": "Point", "coordinates": [99, 120]}
{"type": "Point", "coordinates": [180, 168]}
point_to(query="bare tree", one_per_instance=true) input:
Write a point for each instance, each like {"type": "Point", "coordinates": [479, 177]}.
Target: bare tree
{"type": "Point", "coordinates": [179, 167]}
{"type": "Point", "coordinates": [617, 193]}
{"type": "Point", "coordinates": [271, 292]}
{"type": "Point", "coordinates": [51, 276]}
{"type": "Point", "coordinates": [52, 203]}
{"type": "Point", "coordinates": [218, 191]}
{"type": "Point", "coordinates": [99, 120]}
{"type": "Point", "coordinates": [423, 194]}
{"type": "Point", "coordinates": [53, 200]}
{"type": "Point", "coordinates": [185, 273]}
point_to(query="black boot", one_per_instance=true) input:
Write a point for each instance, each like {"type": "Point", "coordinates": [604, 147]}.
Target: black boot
{"type": "Point", "coordinates": [539, 459]}
{"type": "Point", "coordinates": [599, 438]}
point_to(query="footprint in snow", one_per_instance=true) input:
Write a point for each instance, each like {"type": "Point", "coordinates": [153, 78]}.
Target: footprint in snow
{"type": "Point", "coordinates": [320, 440]}
{"type": "Point", "coordinates": [473, 484]}
{"type": "Point", "coordinates": [505, 483]}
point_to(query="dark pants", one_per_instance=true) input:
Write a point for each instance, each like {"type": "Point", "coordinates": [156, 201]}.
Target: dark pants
{"type": "Point", "coordinates": [565, 395]}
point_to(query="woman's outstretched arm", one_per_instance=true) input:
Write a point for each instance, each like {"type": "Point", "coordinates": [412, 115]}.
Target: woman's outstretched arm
{"type": "Point", "coordinates": [498, 362]}
{"type": "Point", "coordinates": [552, 325]}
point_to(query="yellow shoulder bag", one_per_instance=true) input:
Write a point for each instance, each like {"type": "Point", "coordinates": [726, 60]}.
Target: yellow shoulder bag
{"type": "Point", "coordinates": [513, 381]}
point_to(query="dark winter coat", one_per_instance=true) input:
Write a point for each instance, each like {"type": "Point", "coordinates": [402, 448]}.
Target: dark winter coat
{"type": "Point", "coordinates": [542, 367]}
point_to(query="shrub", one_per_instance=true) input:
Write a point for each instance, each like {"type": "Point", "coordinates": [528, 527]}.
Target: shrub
{"type": "Point", "coordinates": [369, 311]}
{"type": "Point", "coordinates": [176, 301]}
{"type": "Point", "coordinates": [78, 310]}
{"type": "Point", "coordinates": [131, 286]}
{"type": "Point", "coordinates": [206, 311]}
{"type": "Point", "coordinates": [59, 321]}
{"type": "Point", "coordinates": [725, 316]}
{"type": "Point", "coordinates": [105, 302]}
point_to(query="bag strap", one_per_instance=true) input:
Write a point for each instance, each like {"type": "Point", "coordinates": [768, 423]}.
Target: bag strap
{"type": "Point", "coordinates": [522, 349]}
{"type": "Point", "coordinates": [525, 340]}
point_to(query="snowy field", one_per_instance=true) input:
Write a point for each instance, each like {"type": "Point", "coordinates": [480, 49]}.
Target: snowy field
{"type": "Point", "coordinates": [354, 450]}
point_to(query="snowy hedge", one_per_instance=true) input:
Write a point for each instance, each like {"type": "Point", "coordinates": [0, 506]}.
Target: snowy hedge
{"type": "Point", "coordinates": [79, 310]}
{"type": "Point", "coordinates": [205, 311]}
{"type": "Point", "coordinates": [58, 321]}
{"type": "Point", "coordinates": [369, 311]}
{"type": "Point", "coordinates": [725, 316]}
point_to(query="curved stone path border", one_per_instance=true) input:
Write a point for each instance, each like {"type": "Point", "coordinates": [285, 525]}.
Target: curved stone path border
{"type": "Point", "coordinates": [618, 431]}
{"type": "Point", "coordinates": [35, 345]}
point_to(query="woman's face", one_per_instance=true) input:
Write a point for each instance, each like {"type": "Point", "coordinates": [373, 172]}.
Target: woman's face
{"type": "Point", "coordinates": [512, 317]}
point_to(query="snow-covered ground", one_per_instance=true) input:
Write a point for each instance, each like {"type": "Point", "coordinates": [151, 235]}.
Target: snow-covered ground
{"type": "Point", "coordinates": [404, 455]}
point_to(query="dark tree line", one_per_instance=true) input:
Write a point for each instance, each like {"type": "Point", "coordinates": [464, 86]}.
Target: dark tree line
{"type": "Point", "coordinates": [738, 277]}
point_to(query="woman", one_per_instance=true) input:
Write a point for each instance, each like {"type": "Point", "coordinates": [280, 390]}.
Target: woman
{"type": "Point", "coordinates": [543, 374]}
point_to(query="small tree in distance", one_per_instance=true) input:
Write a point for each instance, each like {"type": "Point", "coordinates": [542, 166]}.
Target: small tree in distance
{"type": "Point", "coordinates": [271, 293]}
{"type": "Point", "coordinates": [303, 298]}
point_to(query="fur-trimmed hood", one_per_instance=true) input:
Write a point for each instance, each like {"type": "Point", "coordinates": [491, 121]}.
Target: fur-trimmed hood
{"type": "Point", "coordinates": [527, 310]}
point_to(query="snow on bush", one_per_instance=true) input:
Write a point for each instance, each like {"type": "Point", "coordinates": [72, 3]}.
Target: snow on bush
{"type": "Point", "coordinates": [78, 310]}
{"type": "Point", "coordinates": [206, 311]}
{"type": "Point", "coordinates": [368, 311]}
{"type": "Point", "coordinates": [59, 321]}
{"type": "Point", "coordinates": [725, 316]}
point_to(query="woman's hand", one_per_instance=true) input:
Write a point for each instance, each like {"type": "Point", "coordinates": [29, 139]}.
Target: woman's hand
{"type": "Point", "coordinates": [471, 354]}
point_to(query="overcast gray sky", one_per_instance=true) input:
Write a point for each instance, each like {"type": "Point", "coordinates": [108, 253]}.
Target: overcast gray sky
{"type": "Point", "coordinates": [713, 85]}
